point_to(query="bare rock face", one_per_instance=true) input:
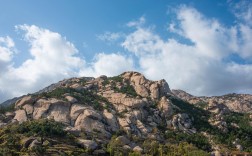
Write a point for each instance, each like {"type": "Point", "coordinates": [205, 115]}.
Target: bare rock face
{"type": "Point", "coordinates": [145, 87]}
{"type": "Point", "coordinates": [154, 91]}
{"type": "Point", "coordinates": [25, 100]}
{"type": "Point", "coordinates": [119, 98]}
{"type": "Point", "coordinates": [28, 108]}
{"type": "Point", "coordinates": [52, 109]}
{"type": "Point", "coordinates": [182, 122]}
{"type": "Point", "coordinates": [20, 116]}
{"type": "Point", "coordinates": [41, 107]}
{"type": "Point", "coordinates": [76, 110]}
{"type": "Point", "coordinates": [90, 120]}
{"type": "Point", "coordinates": [111, 120]}
{"type": "Point", "coordinates": [165, 106]}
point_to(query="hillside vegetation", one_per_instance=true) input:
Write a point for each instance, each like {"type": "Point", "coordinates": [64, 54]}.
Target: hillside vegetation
{"type": "Point", "coordinates": [122, 115]}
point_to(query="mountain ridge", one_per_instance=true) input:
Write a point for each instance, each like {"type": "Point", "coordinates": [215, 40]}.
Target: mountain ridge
{"type": "Point", "coordinates": [110, 115]}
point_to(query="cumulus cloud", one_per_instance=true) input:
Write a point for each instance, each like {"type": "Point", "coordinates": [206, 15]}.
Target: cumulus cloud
{"type": "Point", "coordinates": [199, 68]}
{"type": "Point", "coordinates": [137, 23]}
{"type": "Point", "coordinates": [52, 59]}
{"type": "Point", "coordinates": [201, 65]}
{"type": "Point", "coordinates": [109, 64]}
{"type": "Point", "coordinates": [6, 52]}
{"type": "Point", "coordinates": [6, 48]}
{"type": "Point", "coordinates": [242, 10]}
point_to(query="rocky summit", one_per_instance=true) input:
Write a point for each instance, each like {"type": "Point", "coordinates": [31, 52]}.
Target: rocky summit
{"type": "Point", "coordinates": [125, 115]}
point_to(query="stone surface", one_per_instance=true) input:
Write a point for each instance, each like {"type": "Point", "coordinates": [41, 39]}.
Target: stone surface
{"type": "Point", "coordinates": [90, 120]}
{"type": "Point", "coordinates": [76, 110]}
{"type": "Point", "coordinates": [28, 108]}
{"type": "Point", "coordinates": [88, 144]}
{"type": "Point", "coordinates": [165, 106]}
{"type": "Point", "coordinates": [111, 120]}
{"type": "Point", "coordinates": [138, 149]}
{"type": "Point", "coordinates": [123, 140]}
{"type": "Point", "coordinates": [20, 116]}
{"type": "Point", "coordinates": [71, 99]}
{"type": "Point", "coordinates": [24, 100]}
{"type": "Point", "coordinates": [52, 109]}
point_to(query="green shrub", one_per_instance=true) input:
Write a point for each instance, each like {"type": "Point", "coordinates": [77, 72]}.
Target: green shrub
{"type": "Point", "coordinates": [9, 108]}
{"type": "Point", "coordinates": [42, 128]}
{"type": "Point", "coordinates": [197, 140]}
{"type": "Point", "coordinates": [83, 97]}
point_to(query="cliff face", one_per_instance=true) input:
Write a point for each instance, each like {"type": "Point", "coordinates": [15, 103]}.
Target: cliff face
{"type": "Point", "coordinates": [109, 115]}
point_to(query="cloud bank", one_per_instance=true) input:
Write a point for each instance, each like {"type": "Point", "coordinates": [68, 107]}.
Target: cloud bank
{"type": "Point", "coordinates": [53, 58]}
{"type": "Point", "coordinates": [205, 63]}
{"type": "Point", "coordinates": [202, 66]}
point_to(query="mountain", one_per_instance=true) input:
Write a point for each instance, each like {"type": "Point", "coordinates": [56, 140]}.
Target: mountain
{"type": "Point", "coordinates": [241, 103]}
{"type": "Point", "coordinates": [124, 115]}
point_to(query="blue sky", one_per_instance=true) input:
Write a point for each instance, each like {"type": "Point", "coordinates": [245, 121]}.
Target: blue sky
{"type": "Point", "coordinates": [202, 47]}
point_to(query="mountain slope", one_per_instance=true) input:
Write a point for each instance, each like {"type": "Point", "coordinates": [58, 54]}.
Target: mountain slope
{"type": "Point", "coordinates": [126, 114]}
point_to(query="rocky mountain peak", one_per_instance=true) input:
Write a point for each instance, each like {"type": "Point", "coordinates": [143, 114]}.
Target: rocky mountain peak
{"type": "Point", "coordinates": [127, 112]}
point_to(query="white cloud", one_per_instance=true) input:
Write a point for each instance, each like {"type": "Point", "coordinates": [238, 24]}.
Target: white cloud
{"type": "Point", "coordinates": [242, 10]}
{"type": "Point", "coordinates": [142, 42]}
{"type": "Point", "coordinates": [199, 67]}
{"type": "Point", "coordinates": [109, 36]}
{"type": "Point", "coordinates": [108, 64]}
{"type": "Point", "coordinates": [245, 46]}
{"type": "Point", "coordinates": [53, 58]}
{"type": "Point", "coordinates": [138, 23]}
{"type": "Point", "coordinates": [6, 49]}
{"type": "Point", "coordinates": [210, 37]}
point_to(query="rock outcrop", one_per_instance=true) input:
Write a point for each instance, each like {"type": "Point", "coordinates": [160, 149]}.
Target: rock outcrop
{"type": "Point", "coordinates": [129, 106]}
{"type": "Point", "coordinates": [235, 102]}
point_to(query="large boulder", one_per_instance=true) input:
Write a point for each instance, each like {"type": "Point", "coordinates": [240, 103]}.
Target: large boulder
{"type": "Point", "coordinates": [53, 109]}
{"type": "Point", "coordinates": [138, 149]}
{"type": "Point", "coordinates": [75, 111]}
{"type": "Point", "coordinates": [25, 100]}
{"type": "Point", "coordinates": [111, 120]}
{"type": "Point", "coordinates": [90, 121]}
{"type": "Point", "coordinates": [71, 99]}
{"type": "Point", "coordinates": [120, 98]}
{"type": "Point", "coordinates": [88, 144]}
{"type": "Point", "coordinates": [20, 116]}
